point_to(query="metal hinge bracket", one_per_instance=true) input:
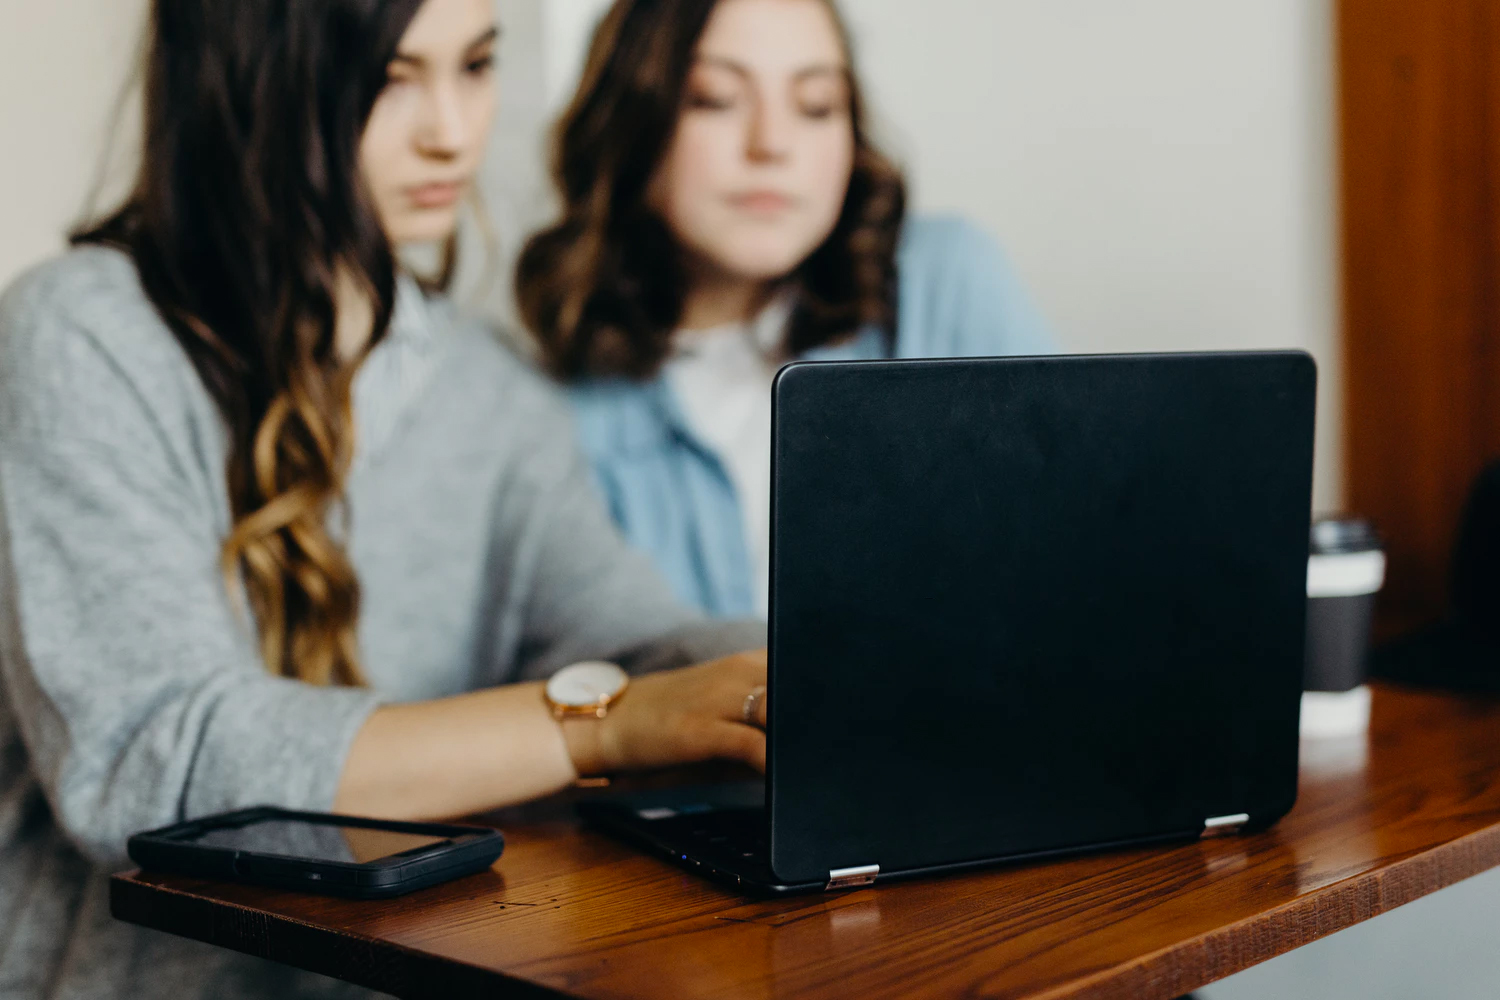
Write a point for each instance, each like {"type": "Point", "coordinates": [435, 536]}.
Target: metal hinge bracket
{"type": "Point", "coordinates": [1222, 826]}
{"type": "Point", "coordinates": [850, 878]}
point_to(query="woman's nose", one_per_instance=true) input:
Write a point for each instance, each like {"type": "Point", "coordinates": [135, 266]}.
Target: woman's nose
{"type": "Point", "coordinates": [443, 132]}
{"type": "Point", "coordinates": [770, 132]}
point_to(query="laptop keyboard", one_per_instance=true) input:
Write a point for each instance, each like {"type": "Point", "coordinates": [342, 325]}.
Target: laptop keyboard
{"type": "Point", "coordinates": [737, 837]}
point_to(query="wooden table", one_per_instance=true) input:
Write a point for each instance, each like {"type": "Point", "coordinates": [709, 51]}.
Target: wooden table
{"type": "Point", "coordinates": [567, 911]}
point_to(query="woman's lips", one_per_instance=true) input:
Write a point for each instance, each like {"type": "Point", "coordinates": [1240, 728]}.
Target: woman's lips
{"type": "Point", "coordinates": [436, 195]}
{"type": "Point", "coordinates": [761, 202]}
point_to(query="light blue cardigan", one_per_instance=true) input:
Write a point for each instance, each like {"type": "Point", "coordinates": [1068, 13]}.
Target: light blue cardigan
{"type": "Point", "coordinates": [669, 493]}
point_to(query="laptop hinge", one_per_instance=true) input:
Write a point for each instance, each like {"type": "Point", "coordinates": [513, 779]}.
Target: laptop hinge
{"type": "Point", "coordinates": [849, 878]}
{"type": "Point", "coordinates": [1222, 826]}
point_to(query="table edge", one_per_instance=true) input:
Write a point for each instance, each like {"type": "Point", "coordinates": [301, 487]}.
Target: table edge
{"type": "Point", "coordinates": [354, 958]}
{"type": "Point", "coordinates": [1339, 906]}
{"type": "Point", "coordinates": [412, 973]}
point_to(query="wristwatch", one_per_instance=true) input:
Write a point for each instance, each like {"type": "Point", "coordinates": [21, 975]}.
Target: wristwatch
{"type": "Point", "coordinates": [585, 690]}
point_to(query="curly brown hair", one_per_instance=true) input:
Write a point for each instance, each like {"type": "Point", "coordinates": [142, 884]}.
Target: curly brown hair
{"type": "Point", "coordinates": [602, 290]}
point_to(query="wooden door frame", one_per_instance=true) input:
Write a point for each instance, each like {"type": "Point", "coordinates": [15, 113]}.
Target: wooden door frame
{"type": "Point", "coordinates": [1419, 120]}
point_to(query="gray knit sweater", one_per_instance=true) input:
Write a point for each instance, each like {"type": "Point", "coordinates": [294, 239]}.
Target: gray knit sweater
{"type": "Point", "coordinates": [132, 693]}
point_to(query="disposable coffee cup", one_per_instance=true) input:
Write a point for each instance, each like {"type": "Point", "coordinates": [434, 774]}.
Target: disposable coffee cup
{"type": "Point", "coordinates": [1345, 571]}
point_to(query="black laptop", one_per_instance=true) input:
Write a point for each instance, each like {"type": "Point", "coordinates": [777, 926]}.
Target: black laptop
{"type": "Point", "coordinates": [1020, 607]}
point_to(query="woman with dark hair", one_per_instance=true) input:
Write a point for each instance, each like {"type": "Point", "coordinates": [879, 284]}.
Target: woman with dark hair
{"type": "Point", "coordinates": [276, 525]}
{"type": "Point", "coordinates": [725, 211]}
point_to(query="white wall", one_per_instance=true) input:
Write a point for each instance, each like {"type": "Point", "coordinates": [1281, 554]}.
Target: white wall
{"type": "Point", "coordinates": [63, 66]}
{"type": "Point", "coordinates": [1162, 171]}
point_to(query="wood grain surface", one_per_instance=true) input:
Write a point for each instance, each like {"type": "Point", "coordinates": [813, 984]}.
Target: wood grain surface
{"type": "Point", "coordinates": [1419, 118]}
{"type": "Point", "coordinates": [1378, 822]}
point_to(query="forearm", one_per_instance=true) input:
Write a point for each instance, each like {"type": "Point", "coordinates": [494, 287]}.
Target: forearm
{"type": "Point", "coordinates": [477, 752]}
{"type": "Point", "coordinates": [455, 756]}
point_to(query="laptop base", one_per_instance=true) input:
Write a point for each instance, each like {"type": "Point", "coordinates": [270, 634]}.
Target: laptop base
{"type": "Point", "coordinates": [717, 832]}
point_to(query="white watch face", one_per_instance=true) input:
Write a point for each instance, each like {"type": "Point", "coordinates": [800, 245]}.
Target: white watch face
{"type": "Point", "coordinates": [584, 684]}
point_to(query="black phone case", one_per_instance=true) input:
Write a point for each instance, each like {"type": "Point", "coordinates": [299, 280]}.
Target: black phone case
{"type": "Point", "coordinates": [163, 850]}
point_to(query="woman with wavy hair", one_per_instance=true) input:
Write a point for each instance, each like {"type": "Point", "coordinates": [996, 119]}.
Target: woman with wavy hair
{"type": "Point", "coordinates": [276, 524]}
{"type": "Point", "coordinates": [725, 211]}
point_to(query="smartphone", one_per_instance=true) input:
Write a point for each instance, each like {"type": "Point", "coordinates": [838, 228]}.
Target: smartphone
{"type": "Point", "coordinates": [318, 852]}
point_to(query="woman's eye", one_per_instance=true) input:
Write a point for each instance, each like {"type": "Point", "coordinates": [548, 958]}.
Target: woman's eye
{"type": "Point", "coordinates": [481, 65]}
{"type": "Point", "coordinates": [821, 99]}
{"type": "Point", "coordinates": [396, 73]}
{"type": "Point", "coordinates": [709, 102]}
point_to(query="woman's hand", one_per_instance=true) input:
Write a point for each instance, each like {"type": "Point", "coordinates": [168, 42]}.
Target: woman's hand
{"type": "Point", "coordinates": [677, 717]}
{"type": "Point", "coordinates": [478, 751]}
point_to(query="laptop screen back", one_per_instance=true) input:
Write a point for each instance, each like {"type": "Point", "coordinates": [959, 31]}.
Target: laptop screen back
{"type": "Point", "coordinates": [1022, 605]}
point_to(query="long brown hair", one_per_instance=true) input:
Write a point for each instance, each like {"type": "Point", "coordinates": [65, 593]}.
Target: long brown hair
{"type": "Point", "coordinates": [247, 208]}
{"type": "Point", "coordinates": [603, 289]}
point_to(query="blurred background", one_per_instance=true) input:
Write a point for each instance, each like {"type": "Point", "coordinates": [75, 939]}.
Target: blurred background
{"type": "Point", "coordinates": [1161, 171]}
{"type": "Point", "coordinates": [1166, 175]}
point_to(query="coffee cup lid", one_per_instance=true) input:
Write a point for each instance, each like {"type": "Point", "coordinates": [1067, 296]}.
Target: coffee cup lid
{"type": "Point", "coordinates": [1332, 535]}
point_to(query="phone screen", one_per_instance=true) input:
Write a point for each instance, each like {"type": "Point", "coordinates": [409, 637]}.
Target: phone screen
{"type": "Point", "coordinates": [315, 841]}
